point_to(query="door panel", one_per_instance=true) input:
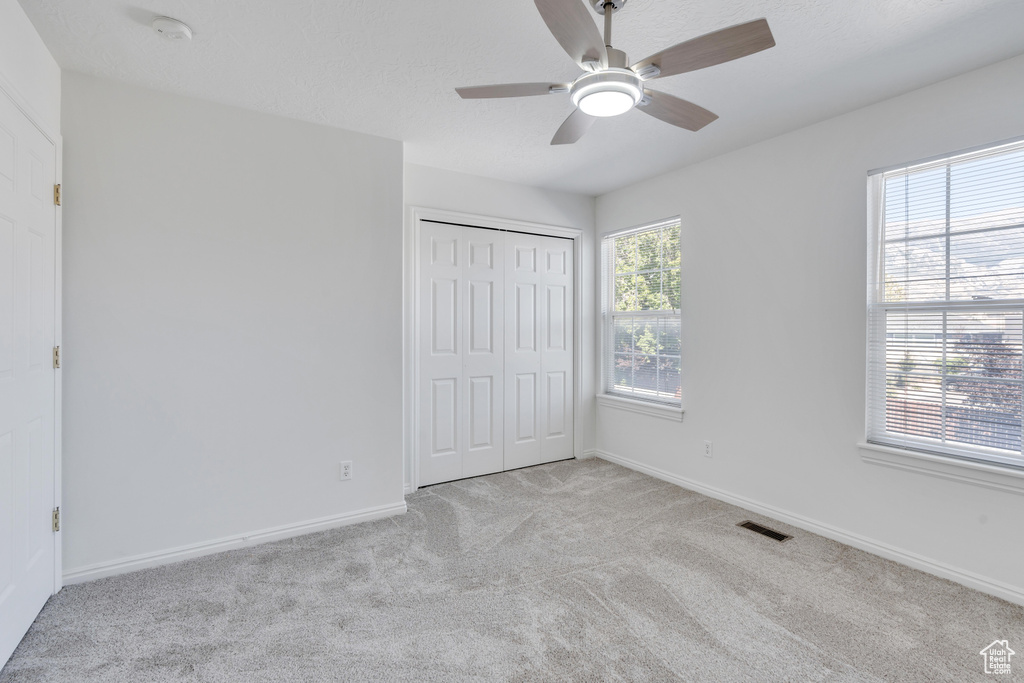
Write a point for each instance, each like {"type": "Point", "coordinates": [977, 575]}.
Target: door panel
{"type": "Point", "coordinates": [444, 424]}
{"type": "Point", "coordinates": [481, 412]}
{"type": "Point", "coordinates": [526, 318]}
{"type": "Point", "coordinates": [27, 380]}
{"type": "Point", "coordinates": [481, 317]}
{"type": "Point", "coordinates": [557, 354]}
{"type": "Point", "coordinates": [524, 332]}
{"type": "Point", "coordinates": [40, 315]}
{"type": "Point", "coordinates": [460, 419]}
{"type": "Point", "coordinates": [556, 318]}
{"type": "Point", "coordinates": [6, 298]}
{"type": "Point", "coordinates": [526, 408]}
{"type": "Point", "coordinates": [440, 402]}
{"type": "Point", "coordinates": [7, 162]}
{"type": "Point", "coordinates": [539, 360]}
{"type": "Point", "coordinates": [445, 316]}
{"type": "Point", "coordinates": [7, 515]}
{"type": "Point", "coordinates": [526, 258]}
{"type": "Point", "coordinates": [483, 363]}
{"type": "Point", "coordinates": [556, 395]}
{"type": "Point", "coordinates": [39, 524]}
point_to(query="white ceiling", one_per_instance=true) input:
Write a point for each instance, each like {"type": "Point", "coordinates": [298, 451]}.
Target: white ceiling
{"type": "Point", "coordinates": [389, 68]}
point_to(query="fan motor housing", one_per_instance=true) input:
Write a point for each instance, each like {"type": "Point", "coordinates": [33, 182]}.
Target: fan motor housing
{"type": "Point", "coordinates": [599, 5]}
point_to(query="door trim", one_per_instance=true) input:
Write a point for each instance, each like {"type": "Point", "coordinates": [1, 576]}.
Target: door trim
{"type": "Point", "coordinates": [8, 90]}
{"type": "Point", "coordinates": [411, 329]}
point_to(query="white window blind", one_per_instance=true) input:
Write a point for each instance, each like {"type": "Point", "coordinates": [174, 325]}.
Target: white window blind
{"type": "Point", "coordinates": [640, 309]}
{"type": "Point", "coordinates": [946, 306]}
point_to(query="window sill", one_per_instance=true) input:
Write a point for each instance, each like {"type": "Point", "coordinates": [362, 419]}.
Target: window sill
{"type": "Point", "coordinates": [674, 413]}
{"type": "Point", "coordinates": [976, 473]}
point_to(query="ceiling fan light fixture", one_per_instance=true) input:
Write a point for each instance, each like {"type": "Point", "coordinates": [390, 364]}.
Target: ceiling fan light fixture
{"type": "Point", "coordinates": [606, 103]}
{"type": "Point", "coordinates": [610, 86]}
{"type": "Point", "coordinates": [607, 93]}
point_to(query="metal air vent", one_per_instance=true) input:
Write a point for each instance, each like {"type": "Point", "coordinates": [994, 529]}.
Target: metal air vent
{"type": "Point", "coordinates": [764, 531]}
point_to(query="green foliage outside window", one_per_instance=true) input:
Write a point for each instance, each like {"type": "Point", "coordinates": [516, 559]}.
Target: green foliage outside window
{"type": "Point", "coordinates": [647, 271]}
{"type": "Point", "coordinates": [646, 279]}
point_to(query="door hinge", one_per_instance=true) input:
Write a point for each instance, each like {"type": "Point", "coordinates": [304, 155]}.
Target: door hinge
{"type": "Point", "coordinates": [56, 194]}
{"type": "Point", "coordinates": [56, 357]}
{"type": "Point", "coordinates": [56, 519]}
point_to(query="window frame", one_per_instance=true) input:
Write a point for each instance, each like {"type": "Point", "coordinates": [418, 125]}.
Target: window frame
{"type": "Point", "coordinates": [975, 464]}
{"type": "Point", "coordinates": [655, 406]}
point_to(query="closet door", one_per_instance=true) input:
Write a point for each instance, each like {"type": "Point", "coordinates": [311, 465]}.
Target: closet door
{"type": "Point", "coordinates": [484, 358]}
{"type": "Point", "coordinates": [538, 350]}
{"type": "Point", "coordinates": [460, 352]}
{"type": "Point", "coordinates": [557, 398]}
{"type": "Point", "coordinates": [440, 347]}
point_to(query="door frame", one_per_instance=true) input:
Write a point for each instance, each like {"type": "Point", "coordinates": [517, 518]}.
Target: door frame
{"type": "Point", "coordinates": [411, 318]}
{"type": "Point", "coordinates": [8, 90]}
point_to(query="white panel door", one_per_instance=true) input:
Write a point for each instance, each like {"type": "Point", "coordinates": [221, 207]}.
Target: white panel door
{"type": "Point", "coordinates": [27, 390]}
{"type": "Point", "coordinates": [459, 407]}
{"type": "Point", "coordinates": [556, 380]}
{"type": "Point", "coordinates": [440, 347]}
{"type": "Point", "coordinates": [484, 359]}
{"type": "Point", "coordinates": [538, 350]}
{"type": "Point", "coordinates": [523, 335]}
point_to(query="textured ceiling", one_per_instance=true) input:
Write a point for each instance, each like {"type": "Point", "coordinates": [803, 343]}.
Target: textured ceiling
{"type": "Point", "coordinates": [389, 68]}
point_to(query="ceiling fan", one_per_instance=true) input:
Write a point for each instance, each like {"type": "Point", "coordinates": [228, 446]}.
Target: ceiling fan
{"type": "Point", "coordinates": [608, 86]}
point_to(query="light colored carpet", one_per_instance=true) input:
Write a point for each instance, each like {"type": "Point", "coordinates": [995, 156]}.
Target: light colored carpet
{"type": "Point", "coordinates": [580, 570]}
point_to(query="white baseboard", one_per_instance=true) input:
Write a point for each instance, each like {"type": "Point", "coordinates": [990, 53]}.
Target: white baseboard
{"type": "Point", "coordinates": [188, 552]}
{"type": "Point", "coordinates": [587, 454]}
{"type": "Point", "coordinates": [1014, 594]}
{"type": "Point", "coordinates": [408, 489]}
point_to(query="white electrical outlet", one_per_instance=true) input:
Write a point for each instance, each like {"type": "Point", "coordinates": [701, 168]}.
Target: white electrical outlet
{"type": "Point", "coordinates": [346, 470]}
{"type": "Point", "coordinates": [709, 451]}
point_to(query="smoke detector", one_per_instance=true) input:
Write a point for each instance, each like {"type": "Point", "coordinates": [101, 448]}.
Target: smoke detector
{"type": "Point", "coordinates": [172, 29]}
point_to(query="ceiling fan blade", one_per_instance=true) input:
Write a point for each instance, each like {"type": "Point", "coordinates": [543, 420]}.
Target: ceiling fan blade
{"type": "Point", "coordinates": [570, 22]}
{"type": "Point", "coordinates": [711, 48]}
{"type": "Point", "coordinates": [674, 110]}
{"type": "Point", "coordinates": [573, 128]}
{"type": "Point", "coordinates": [477, 92]}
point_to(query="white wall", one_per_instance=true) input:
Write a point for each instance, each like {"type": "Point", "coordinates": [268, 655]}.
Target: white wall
{"type": "Point", "coordinates": [232, 322]}
{"type": "Point", "coordinates": [774, 287]}
{"type": "Point", "coordinates": [27, 67]}
{"type": "Point", "coordinates": [433, 188]}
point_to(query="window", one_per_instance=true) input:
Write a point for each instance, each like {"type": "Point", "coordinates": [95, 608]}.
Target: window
{"type": "Point", "coordinates": [946, 306]}
{"type": "Point", "coordinates": [640, 309]}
